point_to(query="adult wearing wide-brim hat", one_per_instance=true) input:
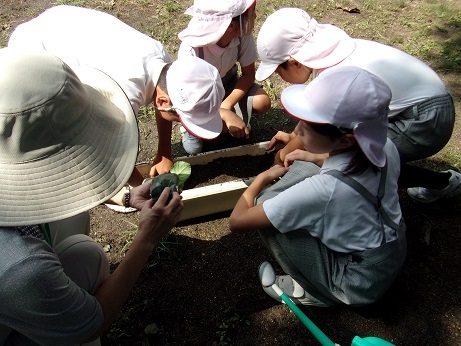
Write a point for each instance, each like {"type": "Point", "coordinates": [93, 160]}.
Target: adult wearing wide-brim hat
{"type": "Point", "coordinates": [69, 142]}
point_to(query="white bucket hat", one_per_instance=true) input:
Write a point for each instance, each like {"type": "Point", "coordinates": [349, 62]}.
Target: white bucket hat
{"type": "Point", "coordinates": [210, 20]}
{"type": "Point", "coordinates": [68, 139]}
{"type": "Point", "coordinates": [291, 32]}
{"type": "Point", "coordinates": [196, 92]}
{"type": "Point", "coordinates": [346, 97]}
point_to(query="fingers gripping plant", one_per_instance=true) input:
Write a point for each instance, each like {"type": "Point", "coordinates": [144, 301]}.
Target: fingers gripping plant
{"type": "Point", "coordinates": [175, 179]}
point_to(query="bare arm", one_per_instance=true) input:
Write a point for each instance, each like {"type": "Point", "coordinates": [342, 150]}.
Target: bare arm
{"type": "Point", "coordinates": [234, 124]}
{"type": "Point", "coordinates": [244, 83]}
{"type": "Point", "coordinates": [292, 145]}
{"type": "Point", "coordinates": [156, 220]}
{"type": "Point", "coordinates": [247, 216]}
{"type": "Point", "coordinates": [163, 160]}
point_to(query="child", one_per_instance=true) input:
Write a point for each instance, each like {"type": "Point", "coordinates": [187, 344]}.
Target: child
{"type": "Point", "coordinates": [422, 113]}
{"type": "Point", "coordinates": [220, 32]}
{"type": "Point", "coordinates": [338, 231]}
{"type": "Point", "coordinates": [187, 90]}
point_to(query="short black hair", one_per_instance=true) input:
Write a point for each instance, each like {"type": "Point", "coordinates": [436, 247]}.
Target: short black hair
{"type": "Point", "coordinates": [162, 78]}
{"type": "Point", "coordinates": [359, 163]}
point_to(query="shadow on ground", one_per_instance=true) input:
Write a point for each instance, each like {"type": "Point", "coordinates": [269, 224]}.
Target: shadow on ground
{"type": "Point", "coordinates": [208, 293]}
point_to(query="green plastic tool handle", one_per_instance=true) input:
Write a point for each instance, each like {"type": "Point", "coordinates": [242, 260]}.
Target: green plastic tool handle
{"type": "Point", "coordinates": [319, 335]}
{"type": "Point", "coordinates": [370, 341]}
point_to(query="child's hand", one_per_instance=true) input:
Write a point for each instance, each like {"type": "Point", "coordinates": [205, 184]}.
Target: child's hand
{"type": "Point", "coordinates": [234, 124]}
{"type": "Point", "coordinates": [298, 154]}
{"type": "Point", "coordinates": [161, 165]}
{"type": "Point", "coordinates": [280, 137]}
{"type": "Point", "coordinates": [304, 155]}
{"type": "Point", "coordinates": [273, 174]}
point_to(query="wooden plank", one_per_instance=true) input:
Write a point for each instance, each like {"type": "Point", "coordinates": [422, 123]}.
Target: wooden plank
{"type": "Point", "coordinates": [212, 199]}
{"type": "Point", "coordinates": [209, 156]}
{"type": "Point", "coordinates": [217, 198]}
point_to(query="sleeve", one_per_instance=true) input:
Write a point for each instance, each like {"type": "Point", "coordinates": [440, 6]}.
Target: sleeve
{"type": "Point", "coordinates": [40, 302]}
{"type": "Point", "coordinates": [185, 50]}
{"type": "Point", "coordinates": [302, 206]}
{"type": "Point", "coordinates": [248, 54]}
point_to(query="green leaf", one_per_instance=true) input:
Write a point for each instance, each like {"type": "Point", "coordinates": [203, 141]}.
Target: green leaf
{"type": "Point", "coordinates": [182, 170]}
{"type": "Point", "coordinates": [161, 181]}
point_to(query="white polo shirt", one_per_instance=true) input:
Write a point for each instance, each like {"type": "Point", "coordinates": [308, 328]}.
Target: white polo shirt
{"type": "Point", "coordinates": [81, 36]}
{"type": "Point", "coordinates": [225, 58]}
{"type": "Point", "coordinates": [410, 79]}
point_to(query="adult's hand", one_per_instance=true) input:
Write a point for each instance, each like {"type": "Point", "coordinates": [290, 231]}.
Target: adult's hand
{"type": "Point", "coordinates": [140, 195]}
{"type": "Point", "coordinates": [157, 219]}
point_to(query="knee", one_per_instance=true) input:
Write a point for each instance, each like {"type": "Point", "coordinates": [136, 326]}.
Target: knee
{"type": "Point", "coordinates": [83, 261]}
{"type": "Point", "coordinates": [261, 102]}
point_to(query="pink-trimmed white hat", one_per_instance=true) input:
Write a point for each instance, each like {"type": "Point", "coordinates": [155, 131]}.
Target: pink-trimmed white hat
{"type": "Point", "coordinates": [210, 20]}
{"type": "Point", "coordinates": [346, 97]}
{"type": "Point", "coordinates": [196, 92]}
{"type": "Point", "coordinates": [291, 32]}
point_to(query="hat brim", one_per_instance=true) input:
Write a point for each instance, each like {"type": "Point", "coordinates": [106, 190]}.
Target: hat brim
{"type": "Point", "coordinates": [300, 110]}
{"type": "Point", "coordinates": [371, 136]}
{"type": "Point", "coordinates": [327, 47]}
{"type": "Point", "coordinates": [210, 130]}
{"type": "Point", "coordinates": [200, 33]}
{"type": "Point", "coordinates": [92, 168]}
{"type": "Point", "coordinates": [265, 70]}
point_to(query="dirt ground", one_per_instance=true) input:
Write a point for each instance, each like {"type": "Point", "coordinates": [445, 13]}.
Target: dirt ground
{"type": "Point", "coordinates": [201, 286]}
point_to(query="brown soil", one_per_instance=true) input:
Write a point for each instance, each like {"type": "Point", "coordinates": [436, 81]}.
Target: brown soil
{"type": "Point", "coordinates": [201, 287]}
{"type": "Point", "coordinates": [227, 169]}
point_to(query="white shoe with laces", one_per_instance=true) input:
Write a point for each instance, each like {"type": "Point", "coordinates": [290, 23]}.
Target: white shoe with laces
{"type": "Point", "coordinates": [423, 195]}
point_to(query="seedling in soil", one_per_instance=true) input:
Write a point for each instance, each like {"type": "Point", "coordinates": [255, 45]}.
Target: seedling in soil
{"type": "Point", "coordinates": [179, 173]}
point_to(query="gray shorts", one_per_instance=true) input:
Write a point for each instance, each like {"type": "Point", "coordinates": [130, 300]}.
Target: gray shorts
{"type": "Point", "coordinates": [423, 129]}
{"type": "Point", "coordinates": [243, 108]}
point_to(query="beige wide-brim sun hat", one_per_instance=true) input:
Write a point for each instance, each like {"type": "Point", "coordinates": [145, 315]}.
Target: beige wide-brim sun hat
{"type": "Point", "coordinates": [68, 139]}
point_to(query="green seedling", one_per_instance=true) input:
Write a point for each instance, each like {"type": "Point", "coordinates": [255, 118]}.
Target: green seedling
{"type": "Point", "coordinates": [175, 179]}
{"type": "Point", "coordinates": [183, 170]}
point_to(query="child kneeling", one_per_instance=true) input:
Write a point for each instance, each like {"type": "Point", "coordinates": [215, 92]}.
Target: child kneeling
{"type": "Point", "coordinates": [337, 230]}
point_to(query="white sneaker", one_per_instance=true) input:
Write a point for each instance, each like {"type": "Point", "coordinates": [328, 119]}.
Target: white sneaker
{"type": "Point", "coordinates": [423, 195]}
{"type": "Point", "coordinates": [287, 285]}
